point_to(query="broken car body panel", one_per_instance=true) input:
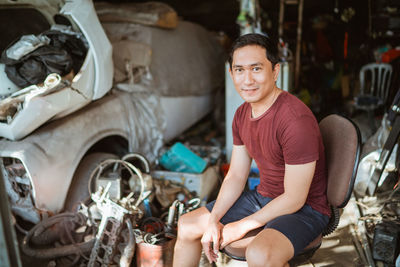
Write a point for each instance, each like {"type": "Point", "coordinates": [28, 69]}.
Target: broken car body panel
{"type": "Point", "coordinates": [93, 80]}
{"type": "Point", "coordinates": [40, 153]}
{"type": "Point", "coordinates": [84, 15]}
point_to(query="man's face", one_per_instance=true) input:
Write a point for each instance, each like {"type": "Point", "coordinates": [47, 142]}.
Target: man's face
{"type": "Point", "coordinates": [252, 74]}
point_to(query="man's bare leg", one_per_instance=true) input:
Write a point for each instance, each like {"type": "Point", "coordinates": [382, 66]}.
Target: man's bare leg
{"type": "Point", "coordinates": [269, 248]}
{"type": "Point", "coordinates": [191, 227]}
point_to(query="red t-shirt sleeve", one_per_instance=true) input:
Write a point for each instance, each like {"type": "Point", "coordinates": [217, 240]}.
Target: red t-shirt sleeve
{"type": "Point", "coordinates": [300, 141]}
{"type": "Point", "coordinates": [235, 130]}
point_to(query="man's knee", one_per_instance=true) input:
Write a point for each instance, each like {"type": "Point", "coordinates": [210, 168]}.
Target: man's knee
{"type": "Point", "coordinates": [184, 225]}
{"type": "Point", "coordinates": [269, 248]}
{"type": "Point", "coordinates": [191, 225]}
{"type": "Point", "coordinates": [257, 255]}
{"type": "Point", "coordinates": [265, 257]}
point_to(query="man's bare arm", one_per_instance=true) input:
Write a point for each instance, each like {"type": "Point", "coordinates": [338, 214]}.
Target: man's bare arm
{"type": "Point", "coordinates": [233, 183]}
{"type": "Point", "coordinates": [231, 188]}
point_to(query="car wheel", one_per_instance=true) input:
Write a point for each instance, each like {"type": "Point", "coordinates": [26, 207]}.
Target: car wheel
{"type": "Point", "coordinates": [78, 191]}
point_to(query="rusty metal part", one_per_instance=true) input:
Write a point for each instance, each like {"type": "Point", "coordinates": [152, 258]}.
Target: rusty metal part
{"type": "Point", "coordinates": [152, 225]}
{"type": "Point", "coordinates": [114, 215]}
{"type": "Point", "coordinates": [95, 175]}
{"type": "Point", "coordinates": [19, 190]}
{"type": "Point", "coordinates": [155, 255]}
{"type": "Point", "coordinates": [154, 238]}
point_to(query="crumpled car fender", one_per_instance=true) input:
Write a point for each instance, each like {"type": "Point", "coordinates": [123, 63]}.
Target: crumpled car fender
{"type": "Point", "coordinates": [70, 136]}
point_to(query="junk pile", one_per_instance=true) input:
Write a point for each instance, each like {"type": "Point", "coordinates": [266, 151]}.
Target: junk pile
{"type": "Point", "coordinates": [377, 232]}
{"type": "Point", "coordinates": [132, 213]}
{"type": "Point", "coordinates": [377, 194]}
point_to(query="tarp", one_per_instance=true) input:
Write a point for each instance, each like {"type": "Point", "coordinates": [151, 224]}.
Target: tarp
{"type": "Point", "coordinates": [187, 53]}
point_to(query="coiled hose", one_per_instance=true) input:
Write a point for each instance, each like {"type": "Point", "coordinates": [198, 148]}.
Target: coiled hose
{"type": "Point", "coordinates": [51, 253]}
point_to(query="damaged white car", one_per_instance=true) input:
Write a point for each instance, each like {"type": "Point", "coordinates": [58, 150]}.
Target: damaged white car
{"type": "Point", "coordinates": [75, 91]}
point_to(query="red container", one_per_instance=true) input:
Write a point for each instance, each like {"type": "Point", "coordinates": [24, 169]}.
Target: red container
{"type": "Point", "coordinates": [390, 55]}
{"type": "Point", "coordinates": [161, 255]}
{"type": "Point", "coordinates": [225, 169]}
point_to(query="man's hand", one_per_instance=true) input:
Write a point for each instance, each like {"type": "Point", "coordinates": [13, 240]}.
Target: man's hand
{"type": "Point", "coordinates": [211, 240]}
{"type": "Point", "coordinates": [232, 232]}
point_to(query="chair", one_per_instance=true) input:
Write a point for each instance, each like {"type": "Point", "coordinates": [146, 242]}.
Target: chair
{"type": "Point", "coordinates": [342, 141]}
{"type": "Point", "coordinates": [374, 88]}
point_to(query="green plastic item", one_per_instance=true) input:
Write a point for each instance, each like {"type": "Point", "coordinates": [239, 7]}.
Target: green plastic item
{"type": "Point", "coordinates": [179, 158]}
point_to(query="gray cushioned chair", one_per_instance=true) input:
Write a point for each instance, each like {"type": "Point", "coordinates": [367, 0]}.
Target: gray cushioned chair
{"type": "Point", "coordinates": [342, 141]}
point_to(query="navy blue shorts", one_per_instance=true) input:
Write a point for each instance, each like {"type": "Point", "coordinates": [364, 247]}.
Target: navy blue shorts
{"type": "Point", "coordinates": [300, 228]}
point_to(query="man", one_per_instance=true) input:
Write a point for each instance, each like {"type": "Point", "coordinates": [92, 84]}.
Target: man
{"type": "Point", "coordinates": [281, 134]}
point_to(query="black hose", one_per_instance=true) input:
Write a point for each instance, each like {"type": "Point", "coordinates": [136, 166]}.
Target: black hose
{"type": "Point", "coordinates": [333, 222]}
{"type": "Point", "coordinates": [50, 253]}
{"type": "Point", "coordinates": [20, 229]}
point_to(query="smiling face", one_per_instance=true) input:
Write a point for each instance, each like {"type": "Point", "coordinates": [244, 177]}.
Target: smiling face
{"type": "Point", "coordinates": [253, 76]}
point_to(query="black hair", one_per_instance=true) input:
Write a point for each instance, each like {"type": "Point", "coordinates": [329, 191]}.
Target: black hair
{"type": "Point", "coordinates": [270, 45]}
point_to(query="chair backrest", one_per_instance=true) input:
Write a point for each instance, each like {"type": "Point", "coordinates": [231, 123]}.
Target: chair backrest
{"type": "Point", "coordinates": [375, 80]}
{"type": "Point", "coordinates": [342, 141]}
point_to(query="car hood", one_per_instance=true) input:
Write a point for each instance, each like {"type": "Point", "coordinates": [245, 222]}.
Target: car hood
{"type": "Point", "coordinates": [83, 14]}
{"type": "Point", "coordinates": [91, 82]}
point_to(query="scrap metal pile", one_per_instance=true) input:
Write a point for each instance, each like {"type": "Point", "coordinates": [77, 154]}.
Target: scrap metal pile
{"type": "Point", "coordinates": [378, 228]}
{"type": "Point", "coordinates": [377, 193]}
{"type": "Point", "coordinates": [129, 215]}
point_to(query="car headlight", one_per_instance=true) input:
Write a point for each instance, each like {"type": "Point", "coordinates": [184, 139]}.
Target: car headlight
{"type": "Point", "coordinates": [19, 189]}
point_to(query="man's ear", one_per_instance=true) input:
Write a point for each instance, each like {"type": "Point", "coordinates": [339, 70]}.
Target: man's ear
{"type": "Point", "coordinates": [230, 72]}
{"type": "Point", "coordinates": [277, 69]}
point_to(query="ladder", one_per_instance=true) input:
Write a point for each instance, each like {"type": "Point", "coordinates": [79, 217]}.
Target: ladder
{"type": "Point", "coordinates": [299, 4]}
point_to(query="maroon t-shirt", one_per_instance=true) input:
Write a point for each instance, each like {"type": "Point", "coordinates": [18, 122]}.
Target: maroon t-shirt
{"type": "Point", "coordinates": [287, 133]}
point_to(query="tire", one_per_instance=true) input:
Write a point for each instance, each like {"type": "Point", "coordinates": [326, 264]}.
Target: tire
{"type": "Point", "coordinates": [78, 191]}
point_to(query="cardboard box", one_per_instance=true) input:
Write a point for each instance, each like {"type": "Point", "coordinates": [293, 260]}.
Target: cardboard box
{"type": "Point", "coordinates": [201, 183]}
